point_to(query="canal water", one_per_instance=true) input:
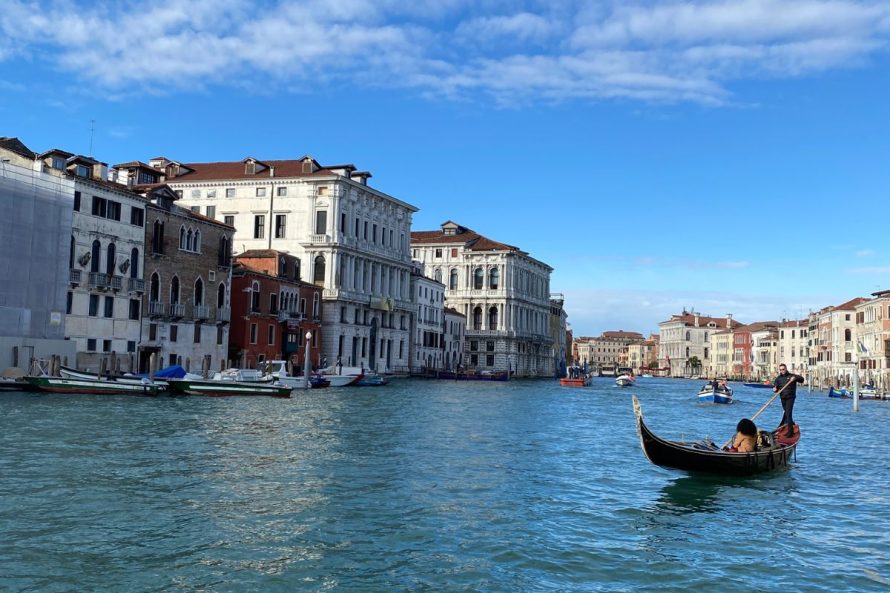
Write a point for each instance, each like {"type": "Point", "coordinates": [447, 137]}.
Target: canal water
{"type": "Point", "coordinates": [432, 486]}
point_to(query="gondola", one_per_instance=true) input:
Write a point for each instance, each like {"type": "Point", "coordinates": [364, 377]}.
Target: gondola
{"type": "Point", "coordinates": [775, 452]}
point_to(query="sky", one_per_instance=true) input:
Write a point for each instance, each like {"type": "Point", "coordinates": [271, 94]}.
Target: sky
{"type": "Point", "coordinates": [717, 156]}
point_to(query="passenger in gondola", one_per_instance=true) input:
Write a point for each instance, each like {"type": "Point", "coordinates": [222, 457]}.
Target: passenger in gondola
{"type": "Point", "coordinates": [745, 439]}
{"type": "Point", "coordinates": [715, 385]}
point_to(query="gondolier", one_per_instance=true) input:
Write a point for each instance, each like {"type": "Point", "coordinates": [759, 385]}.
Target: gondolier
{"type": "Point", "coordinates": [787, 383]}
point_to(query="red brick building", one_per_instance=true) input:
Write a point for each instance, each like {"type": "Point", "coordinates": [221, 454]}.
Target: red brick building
{"type": "Point", "coordinates": [272, 309]}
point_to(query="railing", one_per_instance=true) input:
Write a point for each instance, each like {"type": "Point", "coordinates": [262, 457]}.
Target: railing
{"type": "Point", "coordinates": [156, 308]}
{"type": "Point", "coordinates": [177, 310]}
{"type": "Point", "coordinates": [288, 315]}
{"type": "Point", "coordinates": [223, 315]}
{"type": "Point", "coordinates": [74, 276]}
{"type": "Point", "coordinates": [116, 282]}
{"type": "Point", "coordinates": [99, 280]}
{"type": "Point", "coordinates": [201, 312]}
{"type": "Point", "coordinates": [136, 285]}
{"type": "Point", "coordinates": [319, 239]}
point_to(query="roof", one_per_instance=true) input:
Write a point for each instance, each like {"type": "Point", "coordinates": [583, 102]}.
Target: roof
{"type": "Point", "coordinates": [688, 319]}
{"type": "Point", "coordinates": [623, 334]}
{"type": "Point", "coordinates": [758, 326]}
{"type": "Point", "coordinates": [470, 239]}
{"type": "Point", "coordinates": [237, 170]}
{"type": "Point", "coordinates": [453, 311]}
{"type": "Point", "coordinates": [851, 304]}
{"type": "Point", "coordinates": [17, 146]}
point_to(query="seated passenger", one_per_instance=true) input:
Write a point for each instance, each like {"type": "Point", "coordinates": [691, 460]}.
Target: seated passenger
{"type": "Point", "coordinates": [745, 439]}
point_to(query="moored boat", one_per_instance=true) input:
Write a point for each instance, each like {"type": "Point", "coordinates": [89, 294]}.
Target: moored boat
{"type": "Point", "coordinates": [775, 451]}
{"type": "Point", "coordinates": [474, 376]}
{"type": "Point", "coordinates": [220, 388]}
{"type": "Point", "coordinates": [91, 386]}
{"type": "Point", "coordinates": [371, 380]}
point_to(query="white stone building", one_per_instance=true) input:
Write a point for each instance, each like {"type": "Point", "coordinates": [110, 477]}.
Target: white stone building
{"type": "Point", "coordinates": [503, 293]}
{"type": "Point", "coordinates": [454, 338]}
{"type": "Point", "coordinates": [427, 326]}
{"type": "Point", "coordinates": [685, 336]}
{"type": "Point", "coordinates": [351, 239]}
{"type": "Point", "coordinates": [106, 264]}
{"type": "Point", "coordinates": [873, 335]}
{"type": "Point", "coordinates": [833, 343]}
{"type": "Point", "coordinates": [791, 349]}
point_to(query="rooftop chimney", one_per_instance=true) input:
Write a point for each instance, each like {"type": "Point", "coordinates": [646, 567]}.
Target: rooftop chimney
{"type": "Point", "coordinates": [728, 320]}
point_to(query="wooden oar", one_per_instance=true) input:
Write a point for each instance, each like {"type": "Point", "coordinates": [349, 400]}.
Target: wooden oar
{"type": "Point", "coordinates": [760, 411]}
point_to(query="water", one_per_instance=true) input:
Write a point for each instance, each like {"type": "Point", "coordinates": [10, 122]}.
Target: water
{"type": "Point", "coordinates": [432, 486]}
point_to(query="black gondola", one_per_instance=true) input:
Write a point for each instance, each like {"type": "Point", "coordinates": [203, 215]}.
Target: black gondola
{"type": "Point", "coordinates": [706, 457]}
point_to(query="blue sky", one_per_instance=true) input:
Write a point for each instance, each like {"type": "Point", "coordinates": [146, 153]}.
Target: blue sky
{"type": "Point", "coordinates": [725, 156]}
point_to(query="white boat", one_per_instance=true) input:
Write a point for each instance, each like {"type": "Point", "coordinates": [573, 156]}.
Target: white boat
{"type": "Point", "coordinates": [243, 376]}
{"type": "Point", "coordinates": [340, 376]}
{"type": "Point", "coordinates": [69, 373]}
{"type": "Point", "coordinates": [278, 370]}
{"type": "Point", "coordinates": [625, 380]}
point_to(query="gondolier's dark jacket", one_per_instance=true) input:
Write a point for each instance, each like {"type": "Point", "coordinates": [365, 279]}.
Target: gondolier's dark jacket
{"type": "Point", "coordinates": [791, 390]}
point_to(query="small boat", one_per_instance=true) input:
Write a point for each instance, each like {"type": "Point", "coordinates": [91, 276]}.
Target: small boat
{"type": "Point", "coordinates": [774, 451]}
{"type": "Point", "coordinates": [159, 380]}
{"type": "Point", "coordinates": [625, 380]}
{"type": "Point", "coordinates": [718, 395]}
{"type": "Point", "coordinates": [92, 386]}
{"type": "Point", "coordinates": [224, 387]}
{"type": "Point", "coordinates": [582, 381]}
{"type": "Point", "coordinates": [318, 381]}
{"type": "Point", "coordinates": [371, 380]}
{"type": "Point", "coordinates": [841, 393]}
{"type": "Point", "coordinates": [760, 385]}
{"type": "Point", "coordinates": [9, 384]}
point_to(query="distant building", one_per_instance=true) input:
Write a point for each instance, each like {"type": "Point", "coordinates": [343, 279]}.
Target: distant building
{"type": "Point", "coordinates": [832, 343]}
{"type": "Point", "coordinates": [559, 331]}
{"type": "Point", "coordinates": [503, 293]}
{"type": "Point", "coordinates": [454, 336]}
{"type": "Point", "coordinates": [685, 338]}
{"type": "Point", "coordinates": [873, 336]}
{"type": "Point", "coordinates": [610, 349]}
{"type": "Point", "coordinates": [427, 324]}
{"type": "Point", "coordinates": [792, 349]}
{"type": "Point", "coordinates": [35, 236]}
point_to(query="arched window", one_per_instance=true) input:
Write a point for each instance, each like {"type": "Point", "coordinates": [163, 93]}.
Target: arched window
{"type": "Point", "coordinates": [174, 290]}
{"type": "Point", "coordinates": [493, 318]}
{"type": "Point", "coordinates": [452, 279]}
{"type": "Point", "coordinates": [318, 275]}
{"type": "Point", "coordinates": [221, 296]}
{"type": "Point", "coordinates": [154, 289]}
{"type": "Point", "coordinates": [110, 260]}
{"type": "Point", "coordinates": [134, 263]}
{"type": "Point", "coordinates": [182, 237]}
{"type": "Point", "coordinates": [688, 336]}
{"type": "Point", "coordinates": [95, 255]}
{"type": "Point", "coordinates": [255, 296]}
{"type": "Point", "coordinates": [189, 241]}
{"type": "Point", "coordinates": [437, 275]}
{"type": "Point", "coordinates": [199, 292]}
{"type": "Point", "coordinates": [477, 318]}
{"type": "Point", "coordinates": [282, 266]}
{"type": "Point", "coordinates": [316, 313]}
{"type": "Point", "coordinates": [223, 257]}
{"type": "Point", "coordinates": [494, 278]}
{"type": "Point", "coordinates": [197, 244]}
{"type": "Point", "coordinates": [297, 270]}
{"type": "Point", "coordinates": [157, 237]}
{"type": "Point", "coordinates": [478, 278]}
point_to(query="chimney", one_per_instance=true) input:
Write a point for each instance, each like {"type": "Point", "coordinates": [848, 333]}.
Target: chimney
{"type": "Point", "coordinates": [728, 320]}
{"type": "Point", "coordinates": [100, 172]}
{"type": "Point", "coordinates": [696, 320]}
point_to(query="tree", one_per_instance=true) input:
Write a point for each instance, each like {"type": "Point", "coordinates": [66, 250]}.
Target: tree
{"type": "Point", "coordinates": [694, 363]}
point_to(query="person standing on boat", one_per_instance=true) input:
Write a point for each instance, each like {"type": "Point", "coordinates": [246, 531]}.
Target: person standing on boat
{"type": "Point", "coordinates": [788, 395]}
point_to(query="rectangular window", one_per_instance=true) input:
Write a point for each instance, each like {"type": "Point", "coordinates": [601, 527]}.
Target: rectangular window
{"type": "Point", "coordinates": [100, 207]}
{"type": "Point", "coordinates": [474, 345]}
{"type": "Point", "coordinates": [134, 309]}
{"type": "Point", "coordinates": [196, 193]}
{"type": "Point", "coordinates": [174, 333]}
{"type": "Point", "coordinates": [280, 225]}
{"type": "Point", "coordinates": [489, 346]}
{"type": "Point", "coordinates": [261, 192]}
{"type": "Point", "coordinates": [321, 222]}
{"type": "Point", "coordinates": [438, 253]}
{"type": "Point", "coordinates": [229, 219]}
{"type": "Point", "coordinates": [91, 344]}
{"type": "Point", "coordinates": [454, 252]}
{"type": "Point", "coordinates": [69, 302]}
{"type": "Point", "coordinates": [197, 338]}
{"type": "Point", "coordinates": [374, 234]}
{"type": "Point", "coordinates": [211, 211]}
{"type": "Point", "coordinates": [230, 192]}
{"type": "Point", "coordinates": [259, 226]}
{"type": "Point", "coordinates": [365, 233]}
{"type": "Point", "coordinates": [94, 305]}
{"type": "Point", "coordinates": [77, 201]}
{"type": "Point", "coordinates": [271, 335]}
{"type": "Point", "coordinates": [489, 360]}
{"type": "Point", "coordinates": [106, 345]}
{"type": "Point", "coordinates": [343, 222]}
{"type": "Point", "coordinates": [152, 332]}
{"type": "Point", "coordinates": [211, 193]}
{"type": "Point", "coordinates": [131, 346]}
{"type": "Point", "coordinates": [137, 216]}
{"type": "Point", "coordinates": [282, 191]}
{"type": "Point", "coordinates": [109, 306]}
{"type": "Point", "coordinates": [196, 209]}
{"type": "Point", "coordinates": [253, 332]}
{"type": "Point", "coordinates": [219, 335]}
{"type": "Point", "coordinates": [114, 210]}
{"type": "Point", "coordinates": [356, 227]}
{"type": "Point", "coordinates": [273, 303]}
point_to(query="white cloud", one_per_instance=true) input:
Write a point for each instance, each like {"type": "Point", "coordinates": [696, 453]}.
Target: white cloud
{"type": "Point", "coordinates": [873, 270]}
{"type": "Point", "coordinates": [734, 265]}
{"type": "Point", "coordinates": [666, 52]}
{"type": "Point", "coordinates": [865, 253]}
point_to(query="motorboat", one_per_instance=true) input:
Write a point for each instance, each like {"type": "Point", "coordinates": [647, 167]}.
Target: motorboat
{"type": "Point", "coordinates": [718, 394]}
{"type": "Point", "coordinates": [625, 380]}
{"type": "Point", "coordinates": [93, 386]}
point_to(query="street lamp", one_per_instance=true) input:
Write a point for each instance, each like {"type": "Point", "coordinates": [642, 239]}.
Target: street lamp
{"type": "Point", "coordinates": [306, 359]}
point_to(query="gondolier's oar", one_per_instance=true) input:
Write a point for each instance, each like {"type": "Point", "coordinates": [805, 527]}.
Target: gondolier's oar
{"type": "Point", "coordinates": [765, 406]}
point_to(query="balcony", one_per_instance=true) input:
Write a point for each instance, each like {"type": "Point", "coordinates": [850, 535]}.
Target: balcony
{"type": "Point", "coordinates": [156, 309]}
{"type": "Point", "coordinates": [136, 285]}
{"type": "Point", "coordinates": [319, 239]}
{"type": "Point", "coordinates": [74, 276]}
{"type": "Point", "coordinates": [288, 315]}
{"type": "Point", "coordinates": [201, 312]}
{"type": "Point", "coordinates": [223, 315]}
{"type": "Point", "coordinates": [177, 310]}
{"type": "Point", "coordinates": [99, 280]}
{"type": "Point", "coordinates": [116, 282]}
